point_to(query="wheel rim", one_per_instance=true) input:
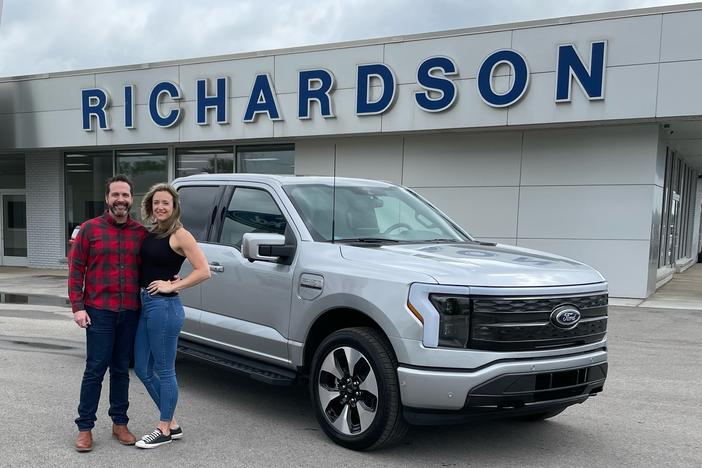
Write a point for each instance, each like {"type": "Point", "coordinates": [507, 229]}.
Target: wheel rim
{"type": "Point", "coordinates": [348, 390]}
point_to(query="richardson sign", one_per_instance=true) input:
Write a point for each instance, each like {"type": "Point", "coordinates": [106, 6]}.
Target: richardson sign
{"type": "Point", "coordinates": [438, 91]}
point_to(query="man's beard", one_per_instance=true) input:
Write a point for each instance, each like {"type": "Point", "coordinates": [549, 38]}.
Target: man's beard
{"type": "Point", "coordinates": [115, 206]}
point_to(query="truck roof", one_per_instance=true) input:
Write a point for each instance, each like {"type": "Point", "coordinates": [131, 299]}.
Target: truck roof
{"type": "Point", "coordinates": [281, 179]}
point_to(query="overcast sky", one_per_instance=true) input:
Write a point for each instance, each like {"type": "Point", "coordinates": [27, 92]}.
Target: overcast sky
{"type": "Point", "coordinates": [39, 36]}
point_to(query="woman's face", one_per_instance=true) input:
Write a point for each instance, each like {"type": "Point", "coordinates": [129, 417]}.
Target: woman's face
{"type": "Point", "coordinates": [162, 206]}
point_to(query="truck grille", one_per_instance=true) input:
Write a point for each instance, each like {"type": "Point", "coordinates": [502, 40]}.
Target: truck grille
{"type": "Point", "coordinates": [524, 323]}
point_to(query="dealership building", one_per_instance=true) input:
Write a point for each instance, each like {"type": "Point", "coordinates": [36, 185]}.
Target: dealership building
{"type": "Point", "coordinates": [580, 136]}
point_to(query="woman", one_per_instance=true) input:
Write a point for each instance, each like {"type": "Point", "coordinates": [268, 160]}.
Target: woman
{"type": "Point", "coordinates": [162, 254]}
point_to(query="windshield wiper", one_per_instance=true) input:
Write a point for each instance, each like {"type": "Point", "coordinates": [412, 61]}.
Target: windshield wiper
{"type": "Point", "coordinates": [485, 243]}
{"type": "Point", "coordinates": [436, 241]}
{"type": "Point", "coordinates": [368, 240]}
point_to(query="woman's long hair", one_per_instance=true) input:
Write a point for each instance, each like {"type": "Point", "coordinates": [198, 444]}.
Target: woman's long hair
{"type": "Point", "coordinates": [172, 224]}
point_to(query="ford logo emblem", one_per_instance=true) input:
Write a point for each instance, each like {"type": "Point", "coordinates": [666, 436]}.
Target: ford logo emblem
{"type": "Point", "coordinates": [566, 316]}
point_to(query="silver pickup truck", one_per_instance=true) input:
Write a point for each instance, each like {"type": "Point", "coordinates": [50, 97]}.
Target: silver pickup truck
{"type": "Point", "coordinates": [386, 308]}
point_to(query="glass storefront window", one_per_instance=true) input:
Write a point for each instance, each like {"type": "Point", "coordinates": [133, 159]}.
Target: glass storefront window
{"type": "Point", "coordinates": [271, 159]}
{"type": "Point", "coordinates": [191, 161]}
{"type": "Point", "coordinates": [677, 214]}
{"type": "Point", "coordinates": [86, 174]}
{"type": "Point", "coordinates": [12, 171]}
{"type": "Point", "coordinates": [145, 168]}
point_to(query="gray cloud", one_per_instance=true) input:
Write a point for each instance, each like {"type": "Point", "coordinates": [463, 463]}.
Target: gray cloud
{"type": "Point", "coordinates": [39, 36]}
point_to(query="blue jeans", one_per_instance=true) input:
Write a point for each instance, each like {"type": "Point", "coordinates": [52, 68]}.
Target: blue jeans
{"type": "Point", "coordinates": [155, 349]}
{"type": "Point", "coordinates": [110, 343]}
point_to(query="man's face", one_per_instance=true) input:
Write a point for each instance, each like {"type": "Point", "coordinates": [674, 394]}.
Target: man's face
{"type": "Point", "coordinates": [119, 200]}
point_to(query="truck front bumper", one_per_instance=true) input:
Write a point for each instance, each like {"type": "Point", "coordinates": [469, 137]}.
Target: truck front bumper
{"type": "Point", "coordinates": [503, 388]}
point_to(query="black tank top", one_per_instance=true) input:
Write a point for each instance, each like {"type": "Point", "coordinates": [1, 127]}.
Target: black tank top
{"type": "Point", "coordinates": [158, 260]}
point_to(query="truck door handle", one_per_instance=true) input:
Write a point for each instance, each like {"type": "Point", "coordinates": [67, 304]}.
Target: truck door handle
{"type": "Point", "coordinates": [216, 267]}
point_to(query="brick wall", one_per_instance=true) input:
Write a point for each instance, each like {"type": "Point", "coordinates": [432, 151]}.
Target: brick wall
{"type": "Point", "coordinates": [45, 210]}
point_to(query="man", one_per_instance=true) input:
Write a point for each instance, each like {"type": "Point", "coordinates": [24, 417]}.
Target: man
{"type": "Point", "coordinates": [103, 286]}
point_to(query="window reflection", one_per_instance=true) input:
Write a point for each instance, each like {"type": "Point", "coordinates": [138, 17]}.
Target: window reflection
{"type": "Point", "coordinates": [191, 161]}
{"type": "Point", "coordinates": [272, 159]}
{"type": "Point", "coordinates": [86, 174]}
{"type": "Point", "coordinates": [145, 168]}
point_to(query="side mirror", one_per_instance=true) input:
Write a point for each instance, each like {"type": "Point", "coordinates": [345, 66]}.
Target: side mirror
{"type": "Point", "coordinates": [266, 247]}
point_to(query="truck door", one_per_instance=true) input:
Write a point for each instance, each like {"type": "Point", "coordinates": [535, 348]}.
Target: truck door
{"type": "Point", "coordinates": [246, 305]}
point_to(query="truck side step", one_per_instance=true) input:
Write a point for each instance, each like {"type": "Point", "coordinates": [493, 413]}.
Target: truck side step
{"type": "Point", "coordinates": [260, 371]}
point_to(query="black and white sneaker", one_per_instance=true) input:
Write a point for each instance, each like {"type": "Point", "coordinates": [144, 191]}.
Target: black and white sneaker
{"type": "Point", "coordinates": [153, 440]}
{"type": "Point", "coordinates": [176, 433]}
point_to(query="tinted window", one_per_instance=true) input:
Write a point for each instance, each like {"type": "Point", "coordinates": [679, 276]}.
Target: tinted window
{"type": "Point", "coordinates": [250, 210]}
{"type": "Point", "coordinates": [197, 205]}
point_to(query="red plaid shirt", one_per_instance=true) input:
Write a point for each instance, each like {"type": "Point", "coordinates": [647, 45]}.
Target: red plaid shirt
{"type": "Point", "coordinates": [104, 265]}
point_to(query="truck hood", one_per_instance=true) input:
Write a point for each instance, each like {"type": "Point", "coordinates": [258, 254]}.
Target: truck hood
{"type": "Point", "coordinates": [475, 264]}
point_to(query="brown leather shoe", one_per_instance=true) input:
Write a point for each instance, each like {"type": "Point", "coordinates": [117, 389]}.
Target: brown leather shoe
{"type": "Point", "coordinates": [84, 443]}
{"type": "Point", "coordinates": [121, 432]}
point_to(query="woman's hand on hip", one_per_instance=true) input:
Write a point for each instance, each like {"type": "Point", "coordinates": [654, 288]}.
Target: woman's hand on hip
{"type": "Point", "coordinates": [160, 286]}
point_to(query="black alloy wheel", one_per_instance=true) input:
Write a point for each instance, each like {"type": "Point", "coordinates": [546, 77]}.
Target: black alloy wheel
{"type": "Point", "coordinates": [354, 389]}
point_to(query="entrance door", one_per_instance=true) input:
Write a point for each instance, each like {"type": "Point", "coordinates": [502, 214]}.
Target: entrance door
{"type": "Point", "coordinates": [13, 230]}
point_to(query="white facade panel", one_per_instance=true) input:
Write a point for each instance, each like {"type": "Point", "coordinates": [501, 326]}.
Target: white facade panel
{"type": "Point", "coordinates": [45, 94]}
{"type": "Point", "coordinates": [681, 36]}
{"type": "Point", "coordinates": [467, 111]}
{"type": "Point", "coordinates": [262, 127]}
{"type": "Point", "coordinates": [50, 129]}
{"type": "Point", "coordinates": [630, 92]}
{"type": "Point", "coordinates": [482, 211]}
{"type": "Point", "coordinates": [342, 62]}
{"type": "Point", "coordinates": [314, 157]}
{"type": "Point", "coordinates": [623, 263]}
{"type": "Point", "coordinates": [463, 159]}
{"type": "Point", "coordinates": [630, 41]}
{"type": "Point", "coordinates": [466, 51]}
{"type": "Point", "coordinates": [679, 91]}
{"type": "Point", "coordinates": [586, 212]}
{"type": "Point", "coordinates": [345, 122]}
{"type": "Point", "coordinates": [145, 132]}
{"type": "Point", "coordinates": [599, 155]}
{"type": "Point", "coordinates": [370, 158]}
{"type": "Point", "coordinates": [143, 80]}
{"type": "Point", "coordinates": [241, 74]}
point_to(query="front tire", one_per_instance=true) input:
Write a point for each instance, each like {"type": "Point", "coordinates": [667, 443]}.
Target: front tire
{"type": "Point", "coordinates": [354, 389]}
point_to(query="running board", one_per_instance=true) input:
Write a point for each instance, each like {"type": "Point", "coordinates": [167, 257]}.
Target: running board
{"type": "Point", "coordinates": [257, 370]}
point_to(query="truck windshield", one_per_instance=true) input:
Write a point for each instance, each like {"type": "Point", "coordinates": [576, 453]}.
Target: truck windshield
{"type": "Point", "coordinates": [370, 213]}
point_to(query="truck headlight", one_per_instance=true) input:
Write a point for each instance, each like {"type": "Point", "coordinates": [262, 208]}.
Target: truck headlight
{"type": "Point", "coordinates": [454, 319]}
{"type": "Point", "coordinates": [443, 312]}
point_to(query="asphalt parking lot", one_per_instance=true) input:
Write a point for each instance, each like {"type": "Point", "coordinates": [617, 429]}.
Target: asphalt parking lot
{"type": "Point", "coordinates": [648, 415]}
